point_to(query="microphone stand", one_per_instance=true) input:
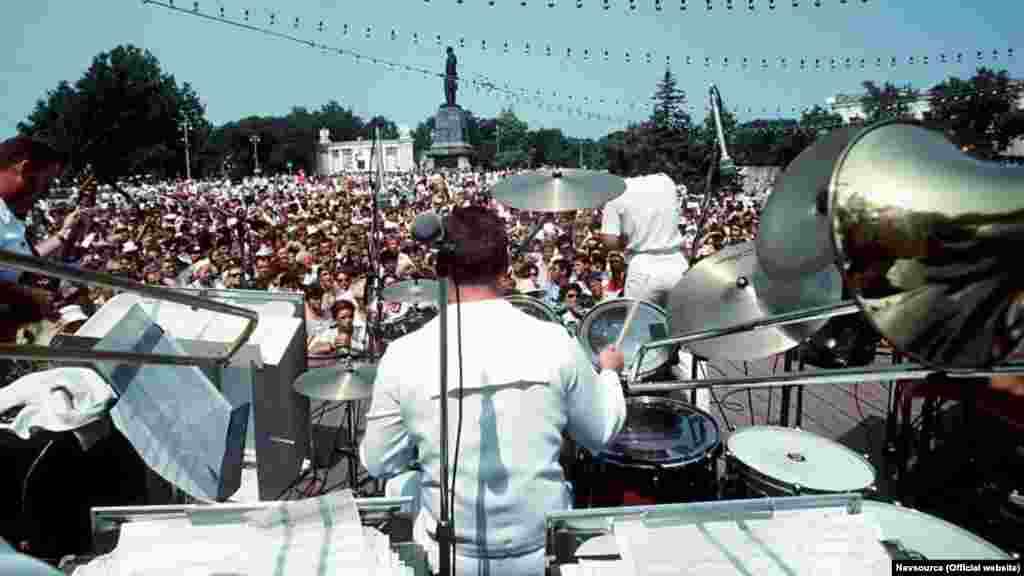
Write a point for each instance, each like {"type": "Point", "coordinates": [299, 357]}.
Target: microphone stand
{"type": "Point", "coordinates": [249, 275]}
{"type": "Point", "coordinates": [719, 161]}
{"type": "Point", "coordinates": [445, 535]}
{"type": "Point", "coordinates": [712, 165]}
{"type": "Point", "coordinates": [376, 277]}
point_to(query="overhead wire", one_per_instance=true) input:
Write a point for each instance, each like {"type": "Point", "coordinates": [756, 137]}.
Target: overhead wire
{"type": "Point", "coordinates": [477, 81]}
{"type": "Point", "coordinates": [571, 104]}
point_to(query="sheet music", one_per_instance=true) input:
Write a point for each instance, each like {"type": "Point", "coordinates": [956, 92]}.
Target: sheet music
{"type": "Point", "coordinates": [173, 415]}
{"type": "Point", "coordinates": [322, 537]}
{"type": "Point", "coordinates": [791, 545]}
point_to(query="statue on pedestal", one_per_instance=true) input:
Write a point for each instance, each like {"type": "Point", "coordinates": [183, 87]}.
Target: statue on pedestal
{"type": "Point", "coordinates": [451, 78]}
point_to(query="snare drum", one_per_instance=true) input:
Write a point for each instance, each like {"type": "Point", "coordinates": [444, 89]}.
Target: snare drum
{"type": "Point", "coordinates": [776, 461]}
{"type": "Point", "coordinates": [601, 327]}
{"type": "Point", "coordinates": [534, 307]}
{"type": "Point", "coordinates": [665, 453]}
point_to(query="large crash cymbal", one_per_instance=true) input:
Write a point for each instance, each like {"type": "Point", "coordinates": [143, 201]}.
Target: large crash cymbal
{"type": "Point", "coordinates": [558, 190]}
{"type": "Point", "coordinates": [339, 383]}
{"type": "Point", "coordinates": [412, 292]}
{"type": "Point", "coordinates": [793, 234]}
{"type": "Point", "coordinates": [728, 288]}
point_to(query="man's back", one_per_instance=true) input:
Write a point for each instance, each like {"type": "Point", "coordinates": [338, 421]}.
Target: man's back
{"type": "Point", "coordinates": [649, 214]}
{"type": "Point", "coordinates": [524, 382]}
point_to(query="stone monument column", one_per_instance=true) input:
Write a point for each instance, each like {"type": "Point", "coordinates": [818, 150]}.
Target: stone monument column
{"type": "Point", "coordinates": [449, 148]}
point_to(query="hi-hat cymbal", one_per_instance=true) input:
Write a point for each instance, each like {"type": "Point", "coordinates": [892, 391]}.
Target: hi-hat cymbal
{"type": "Point", "coordinates": [728, 288]}
{"type": "Point", "coordinates": [793, 233]}
{"type": "Point", "coordinates": [558, 190]}
{"type": "Point", "coordinates": [339, 383]}
{"type": "Point", "coordinates": [412, 292]}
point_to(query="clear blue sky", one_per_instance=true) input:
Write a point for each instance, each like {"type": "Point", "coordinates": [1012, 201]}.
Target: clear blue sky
{"type": "Point", "coordinates": [239, 73]}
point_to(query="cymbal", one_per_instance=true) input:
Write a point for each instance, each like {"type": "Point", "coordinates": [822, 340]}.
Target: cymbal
{"type": "Point", "coordinates": [338, 383]}
{"type": "Point", "coordinates": [793, 237]}
{"type": "Point", "coordinates": [412, 292]}
{"type": "Point", "coordinates": [727, 289]}
{"type": "Point", "coordinates": [558, 190]}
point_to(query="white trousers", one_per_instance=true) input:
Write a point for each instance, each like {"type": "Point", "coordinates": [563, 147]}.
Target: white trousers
{"type": "Point", "coordinates": [652, 277]}
{"type": "Point", "coordinates": [408, 484]}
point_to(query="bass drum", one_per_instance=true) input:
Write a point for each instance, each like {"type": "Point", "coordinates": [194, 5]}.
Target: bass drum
{"type": "Point", "coordinates": [666, 453]}
{"type": "Point", "coordinates": [603, 323]}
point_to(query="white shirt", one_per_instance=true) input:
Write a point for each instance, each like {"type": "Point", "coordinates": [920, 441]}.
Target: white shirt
{"type": "Point", "coordinates": [358, 335]}
{"type": "Point", "coordinates": [647, 213]}
{"type": "Point", "coordinates": [12, 239]}
{"type": "Point", "coordinates": [516, 406]}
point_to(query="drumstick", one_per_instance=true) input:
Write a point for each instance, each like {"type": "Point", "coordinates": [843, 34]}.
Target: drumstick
{"type": "Point", "coordinates": [627, 323]}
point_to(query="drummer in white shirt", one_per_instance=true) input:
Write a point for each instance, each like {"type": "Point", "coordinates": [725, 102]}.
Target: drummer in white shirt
{"type": "Point", "coordinates": [644, 223]}
{"type": "Point", "coordinates": [509, 475]}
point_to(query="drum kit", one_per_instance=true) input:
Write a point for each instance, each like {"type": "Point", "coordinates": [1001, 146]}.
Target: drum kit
{"type": "Point", "coordinates": [841, 222]}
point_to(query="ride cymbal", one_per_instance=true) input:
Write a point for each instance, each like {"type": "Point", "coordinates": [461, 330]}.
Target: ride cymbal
{"type": "Point", "coordinates": [340, 383]}
{"type": "Point", "coordinates": [558, 190]}
{"type": "Point", "coordinates": [728, 288]}
{"type": "Point", "coordinates": [793, 234]}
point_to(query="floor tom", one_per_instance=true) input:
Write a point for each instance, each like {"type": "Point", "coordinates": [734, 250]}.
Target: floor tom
{"type": "Point", "coordinates": [777, 461]}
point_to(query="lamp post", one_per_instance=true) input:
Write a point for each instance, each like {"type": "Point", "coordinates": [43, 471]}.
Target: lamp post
{"type": "Point", "coordinates": [185, 127]}
{"type": "Point", "coordinates": [255, 139]}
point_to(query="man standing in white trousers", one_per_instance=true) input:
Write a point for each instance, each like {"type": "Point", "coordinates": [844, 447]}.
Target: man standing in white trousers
{"type": "Point", "coordinates": [643, 223]}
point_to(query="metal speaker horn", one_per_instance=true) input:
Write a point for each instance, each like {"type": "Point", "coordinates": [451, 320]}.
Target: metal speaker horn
{"type": "Point", "coordinates": [931, 244]}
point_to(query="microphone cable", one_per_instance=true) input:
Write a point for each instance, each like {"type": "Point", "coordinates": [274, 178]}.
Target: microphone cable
{"type": "Point", "coordinates": [458, 427]}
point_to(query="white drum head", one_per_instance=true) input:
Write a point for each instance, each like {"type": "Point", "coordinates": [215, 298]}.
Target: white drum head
{"type": "Point", "coordinates": [797, 458]}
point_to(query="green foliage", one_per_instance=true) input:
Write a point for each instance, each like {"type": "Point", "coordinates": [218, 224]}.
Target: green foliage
{"type": "Point", "coordinates": [887, 102]}
{"type": "Point", "coordinates": [818, 121]}
{"type": "Point", "coordinates": [978, 114]}
{"type": "Point", "coordinates": [388, 129]}
{"type": "Point", "coordinates": [123, 116]}
{"type": "Point", "coordinates": [423, 137]}
{"type": "Point", "coordinates": [669, 105]}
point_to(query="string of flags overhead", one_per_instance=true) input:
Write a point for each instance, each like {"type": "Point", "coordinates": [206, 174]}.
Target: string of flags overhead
{"type": "Point", "coordinates": [660, 5]}
{"type": "Point", "coordinates": [816, 63]}
{"type": "Point", "coordinates": [550, 100]}
{"type": "Point", "coordinates": [553, 100]}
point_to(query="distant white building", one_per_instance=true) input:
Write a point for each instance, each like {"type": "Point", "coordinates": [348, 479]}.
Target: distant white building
{"type": "Point", "coordinates": [849, 107]}
{"type": "Point", "coordinates": [354, 156]}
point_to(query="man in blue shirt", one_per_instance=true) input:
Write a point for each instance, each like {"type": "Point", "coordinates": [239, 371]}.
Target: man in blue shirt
{"type": "Point", "coordinates": [27, 167]}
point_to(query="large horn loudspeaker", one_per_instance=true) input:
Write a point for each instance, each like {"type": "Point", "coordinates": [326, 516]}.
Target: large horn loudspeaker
{"type": "Point", "coordinates": [930, 241]}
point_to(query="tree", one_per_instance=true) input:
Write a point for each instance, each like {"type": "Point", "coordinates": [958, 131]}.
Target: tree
{"type": "Point", "coordinates": [123, 116]}
{"type": "Point", "coordinates": [886, 102]}
{"type": "Point", "coordinates": [513, 145]}
{"type": "Point", "coordinates": [669, 105]}
{"type": "Point", "coordinates": [548, 147]}
{"type": "Point", "coordinates": [423, 137]}
{"type": "Point", "coordinates": [818, 121]}
{"type": "Point", "coordinates": [57, 120]}
{"type": "Point", "coordinates": [388, 129]}
{"type": "Point", "coordinates": [977, 114]}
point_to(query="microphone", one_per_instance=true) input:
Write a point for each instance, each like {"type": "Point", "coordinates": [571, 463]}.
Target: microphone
{"type": "Point", "coordinates": [726, 166]}
{"type": "Point", "coordinates": [428, 228]}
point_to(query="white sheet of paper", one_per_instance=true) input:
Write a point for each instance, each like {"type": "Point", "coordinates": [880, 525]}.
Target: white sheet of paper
{"type": "Point", "coordinates": [808, 544]}
{"type": "Point", "coordinates": [173, 415]}
{"type": "Point", "coordinates": [315, 537]}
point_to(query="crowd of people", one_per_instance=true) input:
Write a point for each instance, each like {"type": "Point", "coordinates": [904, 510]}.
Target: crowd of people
{"type": "Point", "coordinates": [310, 235]}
